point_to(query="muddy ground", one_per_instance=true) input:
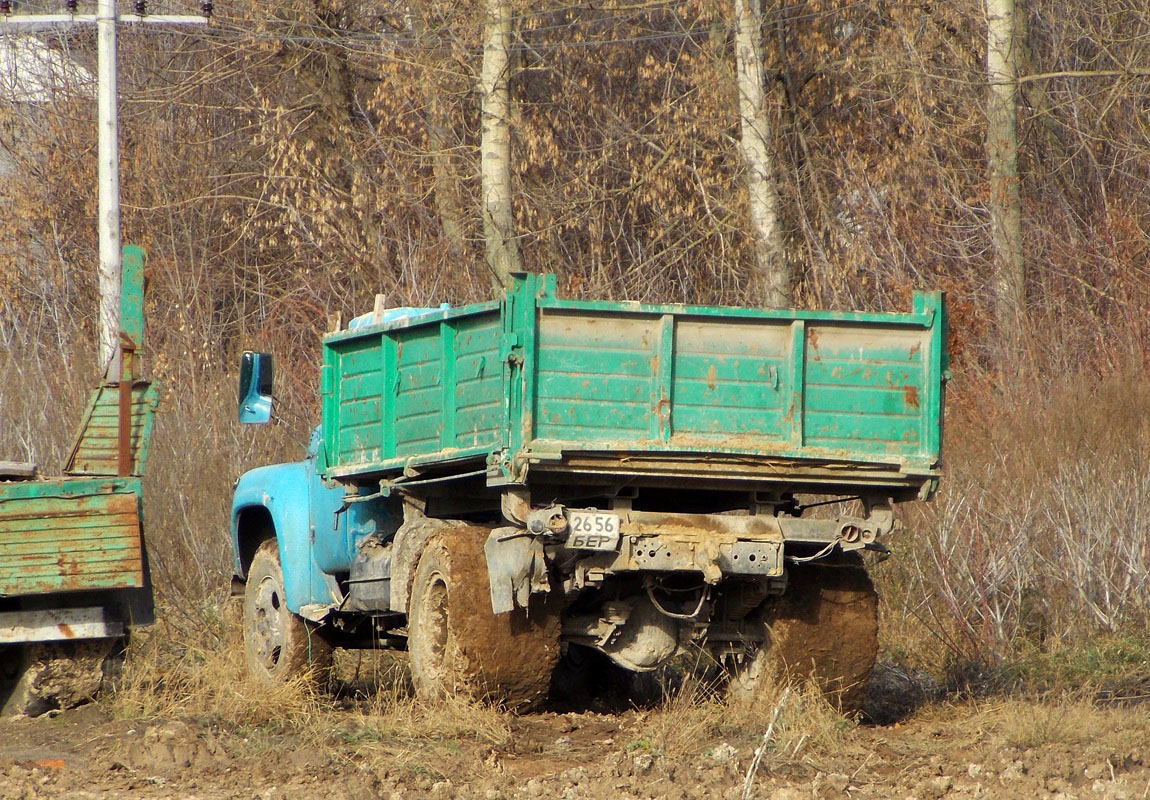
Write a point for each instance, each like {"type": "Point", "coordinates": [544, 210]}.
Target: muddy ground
{"type": "Point", "coordinates": [996, 749]}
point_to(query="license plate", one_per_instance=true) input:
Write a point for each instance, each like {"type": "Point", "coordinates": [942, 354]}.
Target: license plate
{"type": "Point", "coordinates": [593, 530]}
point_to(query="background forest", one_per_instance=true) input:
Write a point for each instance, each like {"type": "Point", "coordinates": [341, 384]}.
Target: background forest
{"type": "Point", "coordinates": [296, 158]}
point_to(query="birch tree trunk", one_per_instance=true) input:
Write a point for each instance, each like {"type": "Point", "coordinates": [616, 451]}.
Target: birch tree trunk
{"type": "Point", "coordinates": [772, 278]}
{"type": "Point", "coordinates": [1002, 166]}
{"type": "Point", "coordinates": [495, 145]}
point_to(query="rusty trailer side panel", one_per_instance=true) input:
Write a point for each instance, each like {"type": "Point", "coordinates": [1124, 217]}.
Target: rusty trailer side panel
{"type": "Point", "coordinates": [70, 534]}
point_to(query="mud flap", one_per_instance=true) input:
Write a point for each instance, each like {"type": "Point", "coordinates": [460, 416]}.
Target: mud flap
{"type": "Point", "coordinates": [516, 568]}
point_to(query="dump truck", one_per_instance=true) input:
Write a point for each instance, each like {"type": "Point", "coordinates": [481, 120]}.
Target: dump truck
{"type": "Point", "coordinates": [74, 575]}
{"type": "Point", "coordinates": [499, 486]}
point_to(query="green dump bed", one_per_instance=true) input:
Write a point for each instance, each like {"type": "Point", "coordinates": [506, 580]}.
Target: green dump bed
{"type": "Point", "coordinates": [538, 384]}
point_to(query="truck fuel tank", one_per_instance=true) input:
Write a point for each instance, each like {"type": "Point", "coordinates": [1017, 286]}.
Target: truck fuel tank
{"type": "Point", "coordinates": [369, 583]}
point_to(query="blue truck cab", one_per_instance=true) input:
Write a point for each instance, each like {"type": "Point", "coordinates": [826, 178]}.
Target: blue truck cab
{"type": "Point", "coordinates": [317, 526]}
{"type": "Point", "coordinates": [288, 502]}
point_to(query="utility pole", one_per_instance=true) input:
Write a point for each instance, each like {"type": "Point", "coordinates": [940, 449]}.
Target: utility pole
{"type": "Point", "coordinates": [108, 146]}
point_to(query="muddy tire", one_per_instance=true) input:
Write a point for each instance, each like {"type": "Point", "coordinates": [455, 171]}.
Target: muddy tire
{"type": "Point", "coordinates": [459, 646]}
{"type": "Point", "coordinates": [45, 676]}
{"type": "Point", "coordinates": [279, 646]}
{"type": "Point", "coordinates": [825, 628]}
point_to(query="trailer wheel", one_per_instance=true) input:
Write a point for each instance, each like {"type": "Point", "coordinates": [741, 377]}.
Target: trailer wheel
{"type": "Point", "coordinates": [459, 646]}
{"type": "Point", "coordinates": [279, 645]}
{"type": "Point", "coordinates": [45, 676]}
{"type": "Point", "coordinates": [824, 628]}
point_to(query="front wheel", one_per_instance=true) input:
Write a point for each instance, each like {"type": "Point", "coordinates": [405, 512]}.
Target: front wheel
{"type": "Point", "coordinates": [459, 646]}
{"type": "Point", "coordinates": [278, 644]}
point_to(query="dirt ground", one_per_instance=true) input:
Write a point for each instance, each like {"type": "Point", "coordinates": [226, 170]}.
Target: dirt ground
{"type": "Point", "coordinates": [1001, 749]}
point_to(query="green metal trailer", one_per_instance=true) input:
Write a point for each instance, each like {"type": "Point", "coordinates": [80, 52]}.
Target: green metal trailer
{"type": "Point", "coordinates": [73, 568]}
{"type": "Point", "coordinates": [627, 477]}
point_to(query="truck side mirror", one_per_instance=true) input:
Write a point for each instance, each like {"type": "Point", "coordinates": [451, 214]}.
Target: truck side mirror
{"type": "Point", "coordinates": [257, 374]}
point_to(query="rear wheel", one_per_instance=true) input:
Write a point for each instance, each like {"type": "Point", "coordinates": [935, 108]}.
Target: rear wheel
{"type": "Point", "coordinates": [459, 646]}
{"type": "Point", "coordinates": [278, 644]}
{"type": "Point", "coordinates": [824, 628]}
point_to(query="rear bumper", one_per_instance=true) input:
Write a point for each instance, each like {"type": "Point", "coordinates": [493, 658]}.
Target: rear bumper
{"type": "Point", "coordinates": [59, 625]}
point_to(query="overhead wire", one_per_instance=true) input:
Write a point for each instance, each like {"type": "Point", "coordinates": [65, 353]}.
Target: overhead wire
{"type": "Point", "coordinates": [327, 35]}
{"type": "Point", "coordinates": [398, 47]}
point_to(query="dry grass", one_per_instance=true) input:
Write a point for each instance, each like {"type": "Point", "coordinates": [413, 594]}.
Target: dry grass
{"type": "Point", "coordinates": [695, 717]}
{"type": "Point", "coordinates": [173, 671]}
{"type": "Point", "coordinates": [382, 702]}
{"type": "Point", "coordinates": [1069, 720]}
{"type": "Point", "coordinates": [1038, 537]}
